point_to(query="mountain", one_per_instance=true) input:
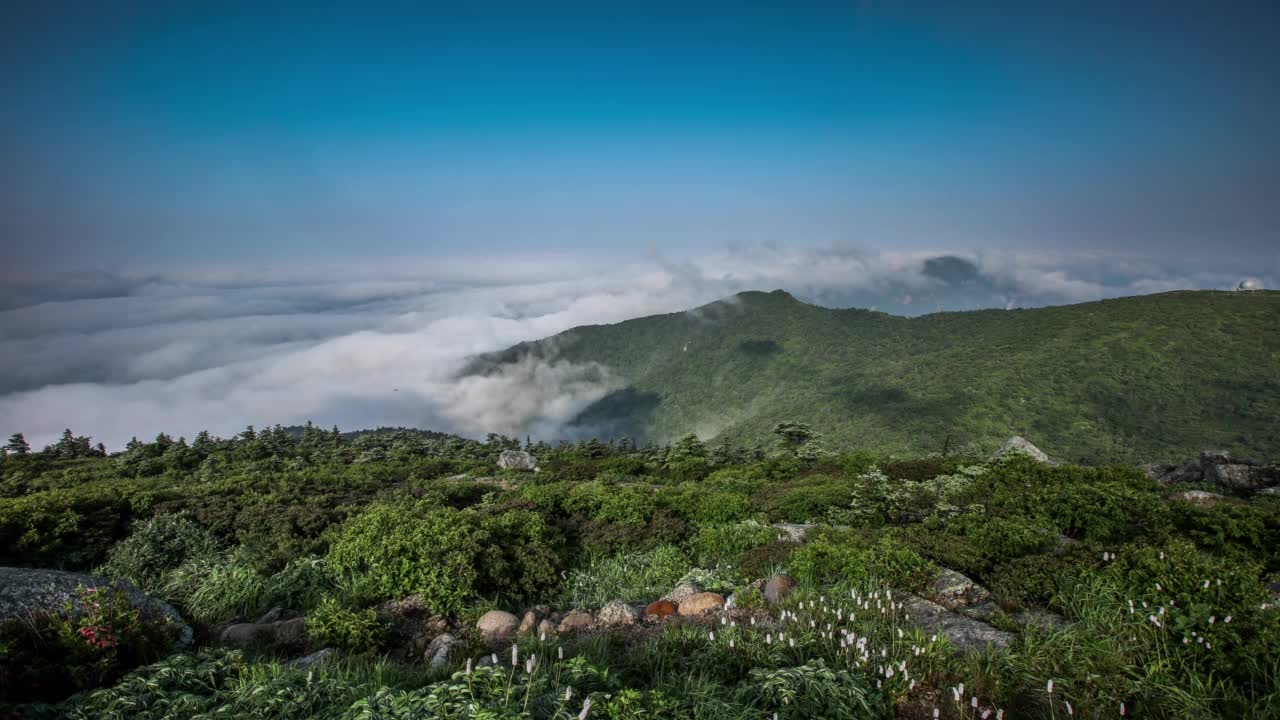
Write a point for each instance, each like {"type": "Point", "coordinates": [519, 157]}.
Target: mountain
{"type": "Point", "coordinates": [1155, 377]}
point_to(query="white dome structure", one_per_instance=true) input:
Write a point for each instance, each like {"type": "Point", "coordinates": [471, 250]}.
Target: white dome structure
{"type": "Point", "coordinates": [1248, 284]}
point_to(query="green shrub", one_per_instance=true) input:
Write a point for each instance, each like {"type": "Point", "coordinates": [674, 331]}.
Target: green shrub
{"type": "Point", "coordinates": [331, 624]}
{"type": "Point", "coordinates": [157, 547]}
{"type": "Point", "coordinates": [634, 577]}
{"type": "Point", "coordinates": [218, 589]}
{"type": "Point", "coordinates": [1000, 539]}
{"type": "Point", "coordinates": [94, 639]}
{"type": "Point", "coordinates": [716, 544]}
{"type": "Point", "coordinates": [854, 558]}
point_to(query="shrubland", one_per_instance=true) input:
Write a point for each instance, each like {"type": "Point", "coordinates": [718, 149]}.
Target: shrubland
{"type": "Point", "coordinates": [1168, 608]}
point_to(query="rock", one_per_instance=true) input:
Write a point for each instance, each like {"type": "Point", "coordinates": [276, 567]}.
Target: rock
{"type": "Point", "coordinates": [617, 613]}
{"type": "Point", "coordinates": [660, 608]}
{"type": "Point", "coordinates": [546, 627]}
{"type": "Point", "coordinates": [1241, 475]}
{"type": "Point", "coordinates": [517, 460]}
{"type": "Point", "coordinates": [1018, 444]}
{"type": "Point", "coordinates": [1198, 497]}
{"type": "Point", "coordinates": [1040, 618]}
{"type": "Point", "coordinates": [982, 611]}
{"type": "Point", "coordinates": [701, 603]}
{"type": "Point", "coordinates": [290, 632]}
{"type": "Point", "coordinates": [953, 590]}
{"type": "Point", "coordinates": [313, 659]}
{"type": "Point", "coordinates": [966, 635]}
{"type": "Point", "coordinates": [682, 593]}
{"type": "Point", "coordinates": [1175, 474]}
{"type": "Point", "coordinates": [778, 587]}
{"type": "Point", "coordinates": [276, 614]}
{"type": "Point", "coordinates": [497, 625]}
{"type": "Point", "coordinates": [528, 623]}
{"type": "Point", "coordinates": [437, 653]}
{"type": "Point", "coordinates": [24, 591]}
{"type": "Point", "coordinates": [1267, 492]}
{"type": "Point", "coordinates": [575, 621]}
{"type": "Point", "coordinates": [795, 531]}
{"type": "Point", "coordinates": [246, 635]}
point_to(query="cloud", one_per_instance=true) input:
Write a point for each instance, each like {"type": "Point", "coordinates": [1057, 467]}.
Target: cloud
{"type": "Point", "coordinates": [381, 343]}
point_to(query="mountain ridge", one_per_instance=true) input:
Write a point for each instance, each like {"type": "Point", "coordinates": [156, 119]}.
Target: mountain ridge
{"type": "Point", "coordinates": [1147, 377]}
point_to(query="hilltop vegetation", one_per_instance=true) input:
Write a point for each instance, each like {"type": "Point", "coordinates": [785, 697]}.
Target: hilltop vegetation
{"type": "Point", "coordinates": [1136, 379]}
{"type": "Point", "coordinates": [384, 541]}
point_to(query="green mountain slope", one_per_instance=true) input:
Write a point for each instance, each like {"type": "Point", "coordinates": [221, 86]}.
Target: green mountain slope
{"type": "Point", "coordinates": [1141, 378]}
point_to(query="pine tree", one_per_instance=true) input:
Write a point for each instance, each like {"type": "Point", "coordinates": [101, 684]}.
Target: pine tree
{"type": "Point", "coordinates": [18, 445]}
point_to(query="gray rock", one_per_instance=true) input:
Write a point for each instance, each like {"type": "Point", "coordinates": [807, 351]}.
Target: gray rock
{"type": "Point", "coordinates": [618, 613]}
{"type": "Point", "coordinates": [313, 659]}
{"type": "Point", "coordinates": [290, 632]}
{"type": "Point", "coordinates": [517, 460]}
{"type": "Point", "coordinates": [1198, 497]}
{"type": "Point", "coordinates": [954, 590]}
{"type": "Point", "coordinates": [24, 591]}
{"type": "Point", "coordinates": [795, 531]}
{"type": "Point", "coordinates": [546, 627]}
{"type": "Point", "coordinates": [1018, 444]}
{"type": "Point", "coordinates": [982, 611]}
{"type": "Point", "coordinates": [778, 587]}
{"type": "Point", "coordinates": [1040, 618]}
{"type": "Point", "coordinates": [1190, 472]}
{"type": "Point", "coordinates": [1241, 475]}
{"type": "Point", "coordinates": [683, 592]}
{"type": "Point", "coordinates": [966, 634]}
{"type": "Point", "coordinates": [437, 653]}
{"type": "Point", "coordinates": [276, 614]}
{"type": "Point", "coordinates": [497, 625]}
{"type": "Point", "coordinates": [246, 635]}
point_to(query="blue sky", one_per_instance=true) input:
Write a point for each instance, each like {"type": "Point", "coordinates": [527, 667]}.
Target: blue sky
{"type": "Point", "coordinates": [176, 133]}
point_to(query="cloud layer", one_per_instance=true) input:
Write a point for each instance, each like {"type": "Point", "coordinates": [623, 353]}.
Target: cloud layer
{"type": "Point", "coordinates": [371, 344]}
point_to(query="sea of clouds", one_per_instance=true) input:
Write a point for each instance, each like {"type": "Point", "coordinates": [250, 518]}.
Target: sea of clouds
{"type": "Point", "coordinates": [373, 343]}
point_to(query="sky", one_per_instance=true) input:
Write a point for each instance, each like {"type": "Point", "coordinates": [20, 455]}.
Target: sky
{"type": "Point", "coordinates": [223, 213]}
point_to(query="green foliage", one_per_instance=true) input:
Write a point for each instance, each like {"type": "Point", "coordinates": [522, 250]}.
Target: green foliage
{"type": "Point", "coordinates": [216, 589]}
{"type": "Point", "coordinates": [331, 624]}
{"type": "Point", "coordinates": [94, 639]}
{"type": "Point", "coordinates": [813, 690]}
{"type": "Point", "coordinates": [156, 547]}
{"type": "Point", "coordinates": [727, 544]}
{"type": "Point", "coordinates": [633, 577]}
{"type": "Point", "coordinates": [853, 558]}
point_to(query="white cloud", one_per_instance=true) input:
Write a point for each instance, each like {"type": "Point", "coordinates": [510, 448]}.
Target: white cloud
{"type": "Point", "coordinates": [382, 343]}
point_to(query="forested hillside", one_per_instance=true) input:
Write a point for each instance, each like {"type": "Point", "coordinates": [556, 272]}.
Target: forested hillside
{"type": "Point", "coordinates": [1133, 379]}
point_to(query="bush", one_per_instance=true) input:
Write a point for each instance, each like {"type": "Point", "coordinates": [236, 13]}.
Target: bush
{"type": "Point", "coordinates": [157, 547]}
{"type": "Point", "coordinates": [218, 589]}
{"type": "Point", "coordinates": [716, 544]}
{"type": "Point", "coordinates": [331, 624]}
{"type": "Point", "coordinates": [94, 639]}
{"type": "Point", "coordinates": [850, 557]}
{"type": "Point", "coordinates": [634, 577]}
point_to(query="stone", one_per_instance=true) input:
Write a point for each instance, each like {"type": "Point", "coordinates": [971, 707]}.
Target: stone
{"type": "Point", "coordinates": [517, 460]}
{"type": "Point", "coordinates": [953, 590]}
{"type": "Point", "coordinates": [617, 613]}
{"type": "Point", "coordinates": [437, 652]}
{"type": "Point", "coordinates": [528, 623]}
{"type": "Point", "coordinates": [1175, 474]}
{"type": "Point", "coordinates": [546, 627]}
{"type": "Point", "coordinates": [313, 659]}
{"type": "Point", "coordinates": [965, 634]}
{"type": "Point", "coordinates": [660, 609]}
{"type": "Point", "coordinates": [497, 625]}
{"type": "Point", "coordinates": [701, 604]}
{"type": "Point", "coordinates": [246, 635]}
{"type": "Point", "coordinates": [1240, 475]}
{"type": "Point", "coordinates": [778, 587]}
{"type": "Point", "coordinates": [276, 614]}
{"type": "Point", "coordinates": [576, 620]}
{"type": "Point", "coordinates": [1198, 497]}
{"type": "Point", "coordinates": [1040, 618]}
{"type": "Point", "coordinates": [795, 531]}
{"type": "Point", "coordinates": [1018, 444]}
{"type": "Point", "coordinates": [24, 591]}
{"type": "Point", "coordinates": [290, 632]}
{"type": "Point", "coordinates": [682, 593]}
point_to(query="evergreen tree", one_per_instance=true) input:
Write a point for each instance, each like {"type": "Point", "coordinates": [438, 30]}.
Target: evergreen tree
{"type": "Point", "coordinates": [18, 445]}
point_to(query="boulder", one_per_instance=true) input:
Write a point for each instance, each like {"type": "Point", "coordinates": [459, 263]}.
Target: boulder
{"type": "Point", "coordinates": [276, 614]}
{"type": "Point", "coordinates": [795, 531]}
{"type": "Point", "coordinates": [660, 609]}
{"type": "Point", "coordinates": [497, 625]}
{"type": "Point", "coordinates": [966, 634]}
{"type": "Point", "coordinates": [1040, 618]}
{"type": "Point", "coordinates": [1240, 475]}
{"type": "Point", "coordinates": [246, 635]}
{"type": "Point", "coordinates": [290, 632]}
{"type": "Point", "coordinates": [437, 652]}
{"type": "Point", "coordinates": [313, 659]}
{"type": "Point", "coordinates": [1018, 444]}
{"type": "Point", "coordinates": [701, 603]}
{"type": "Point", "coordinates": [683, 592]}
{"type": "Point", "coordinates": [546, 627]}
{"type": "Point", "coordinates": [953, 590]}
{"type": "Point", "coordinates": [1198, 497]}
{"type": "Point", "coordinates": [1175, 474]}
{"type": "Point", "coordinates": [778, 587]}
{"type": "Point", "coordinates": [617, 613]}
{"type": "Point", "coordinates": [24, 591]}
{"type": "Point", "coordinates": [529, 622]}
{"type": "Point", "coordinates": [517, 460]}
{"type": "Point", "coordinates": [575, 621]}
